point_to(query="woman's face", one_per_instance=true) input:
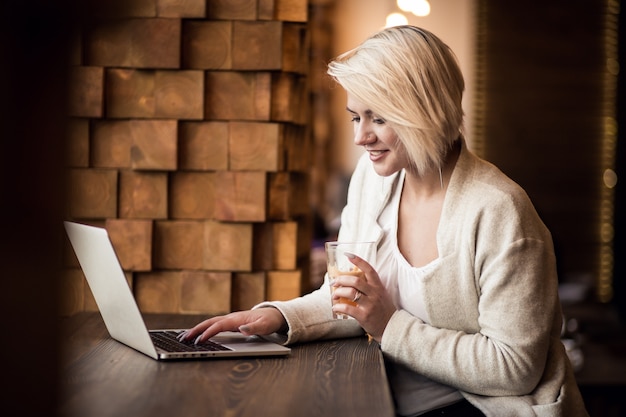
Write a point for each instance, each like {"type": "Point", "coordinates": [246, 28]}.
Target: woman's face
{"type": "Point", "coordinates": [381, 142]}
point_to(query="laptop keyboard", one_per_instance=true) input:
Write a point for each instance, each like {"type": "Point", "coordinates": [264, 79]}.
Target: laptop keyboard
{"type": "Point", "coordinates": [167, 341]}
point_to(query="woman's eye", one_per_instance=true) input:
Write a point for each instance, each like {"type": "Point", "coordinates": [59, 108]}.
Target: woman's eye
{"type": "Point", "coordinates": [379, 121]}
{"type": "Point", "coordinates": [355, 119]}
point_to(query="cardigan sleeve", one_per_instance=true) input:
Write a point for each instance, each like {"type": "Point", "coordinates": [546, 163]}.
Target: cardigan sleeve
{"type": "Point", "coordinates": [310, 318]}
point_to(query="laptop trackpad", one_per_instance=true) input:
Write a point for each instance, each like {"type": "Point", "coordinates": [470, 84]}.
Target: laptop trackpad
{"type": "Point", "coordinates": [238, 341]}
{"type": "Point", "coordinates": [234, 337]}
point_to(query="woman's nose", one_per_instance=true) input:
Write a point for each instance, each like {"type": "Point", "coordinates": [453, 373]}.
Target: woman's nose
{"type": "Point", "coordinates": [363, 138]}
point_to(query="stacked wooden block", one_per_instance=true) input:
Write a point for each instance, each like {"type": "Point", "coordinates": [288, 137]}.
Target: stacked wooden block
{"type": "Point", "coordinates": [189, 142]}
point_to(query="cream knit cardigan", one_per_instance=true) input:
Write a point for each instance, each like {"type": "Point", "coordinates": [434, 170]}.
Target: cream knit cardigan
{"type": "Point", "coordinates": [493, 301]}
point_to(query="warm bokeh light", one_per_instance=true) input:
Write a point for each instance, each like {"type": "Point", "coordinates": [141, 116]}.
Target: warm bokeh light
{"type": "Point", "coordinates": [421, 8]}
{"type": "Point", "coordinates": [405, 5]}
{"type": "Point", "coordinates": [417, 7]}
{"type": "Point", "coordinates": [396, 19]}
{"type": "Point", "coordinates": [610, 178]}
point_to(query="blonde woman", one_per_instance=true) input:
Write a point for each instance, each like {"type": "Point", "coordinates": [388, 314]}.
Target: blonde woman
{"type": "Point", "coordinates": [463, 296]}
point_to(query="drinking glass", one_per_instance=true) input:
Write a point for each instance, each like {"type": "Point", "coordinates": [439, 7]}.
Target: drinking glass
{"type": "Point", "coordinates": [339, 264]}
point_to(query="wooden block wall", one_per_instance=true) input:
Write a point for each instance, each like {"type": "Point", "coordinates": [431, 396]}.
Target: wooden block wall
{"type": "Point", "coordinates": [189, 141]}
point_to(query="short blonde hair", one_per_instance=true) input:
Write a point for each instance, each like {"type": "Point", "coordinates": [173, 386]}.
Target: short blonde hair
{"type": "Point", "coordinates": [411, 79]}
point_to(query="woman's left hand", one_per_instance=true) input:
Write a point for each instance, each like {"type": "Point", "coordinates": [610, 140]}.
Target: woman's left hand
{"type": "Point", "coordinates": [374, 306]}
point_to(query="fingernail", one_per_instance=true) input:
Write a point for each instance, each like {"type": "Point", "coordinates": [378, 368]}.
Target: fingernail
{"type": "Point", "coordinates": [244, 329]}
{"type": "Point", "coordinates": [197, 340]}
{"type": "Point", "coordinates": [350, 255]}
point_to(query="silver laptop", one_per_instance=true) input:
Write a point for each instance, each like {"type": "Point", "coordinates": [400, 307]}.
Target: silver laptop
{"type": "Point", "coordinates": [123, 319]}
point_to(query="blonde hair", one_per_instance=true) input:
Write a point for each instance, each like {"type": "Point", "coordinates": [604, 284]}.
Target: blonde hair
{"type": "Point", "coordinates": [411, 79]}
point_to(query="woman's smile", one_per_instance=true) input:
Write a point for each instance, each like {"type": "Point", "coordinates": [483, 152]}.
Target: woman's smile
{"type": "Point", "coordinates": [376, 154]}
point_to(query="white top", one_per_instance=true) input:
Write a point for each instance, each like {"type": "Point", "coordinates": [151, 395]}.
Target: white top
{"type": "Point", "coordinates": [413, 392]}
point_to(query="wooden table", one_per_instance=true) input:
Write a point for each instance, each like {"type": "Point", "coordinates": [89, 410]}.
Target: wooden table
{"type": "Point", "coordinates": [101, 377]}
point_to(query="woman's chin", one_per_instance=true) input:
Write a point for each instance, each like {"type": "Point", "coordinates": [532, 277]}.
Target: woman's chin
{"type": "Point", "coordinates": [384, 171]}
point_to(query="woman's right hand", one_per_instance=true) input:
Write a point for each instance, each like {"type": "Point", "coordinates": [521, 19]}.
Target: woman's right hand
{"type": "Point", "coordinates": [260, 321]}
